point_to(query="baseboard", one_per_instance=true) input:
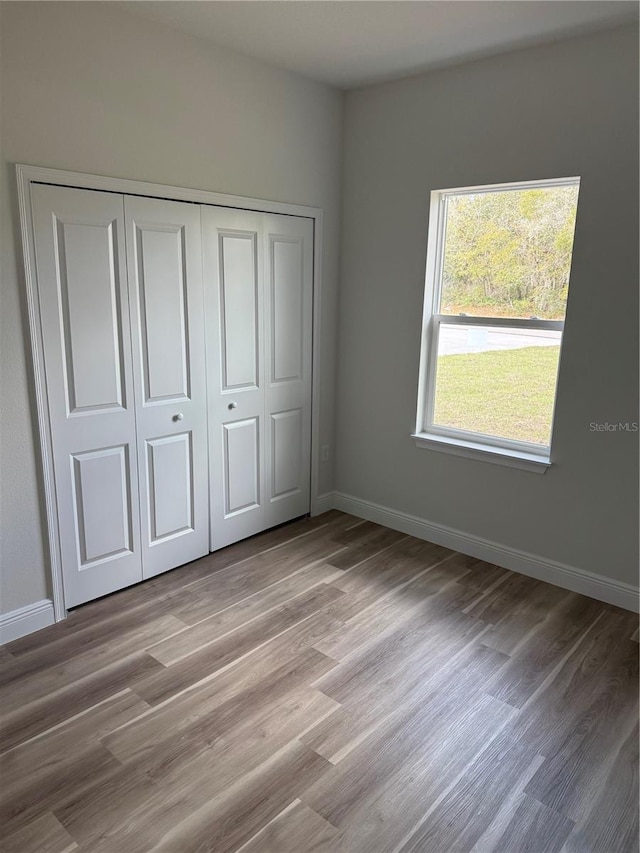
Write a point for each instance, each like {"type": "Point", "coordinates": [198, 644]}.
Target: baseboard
{"type": "Point", "coordinates": [25, 620]}
{"type": "Point", "coordinates": [322, 503]}
{"type": "Point", "coordinates": [568, 577]}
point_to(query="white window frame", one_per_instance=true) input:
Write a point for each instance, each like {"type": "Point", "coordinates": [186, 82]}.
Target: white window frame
{"type": "Point", "coordinates": [521, 454]}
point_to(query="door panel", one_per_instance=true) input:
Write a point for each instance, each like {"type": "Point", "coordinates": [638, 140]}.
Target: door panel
{"type": "Point", "coordinates": [170, 471]}
{"type": "Point", "coordinates": [83, 295]}
{"type": "Point", "coordinates": [241, 466]}
{"type": "Point", "coordinates": [287, 465]}
{"type": "Point", "coordinates": [103, 501]}
{"type": "Point", "coordinates": [238, 310]}
{"type": "Point", "coordinates": [167, 322]}
{"type": "Point", "coordinates": [90, 315]}
{"type": "Point", "coordinates": [289, 283]}
{"type": "Point", "coordinates": [161, 277]}
{"type": "Point", "coordinates": [287, 301]}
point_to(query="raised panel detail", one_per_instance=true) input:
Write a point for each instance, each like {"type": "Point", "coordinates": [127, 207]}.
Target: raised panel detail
{"type": "Point", "coordinates": [90, 316]}
{"type": "Point", "coordinates": [241, 466]}
{"type": "Point", "coordinates": [286, 452]}
{"type": "Point", "coordinates": [164, 328]}
{"type": "Point", "coordinates": [239, 310]}
{"type": "Point", "coordinates": [170, 486]}
{"type": "Point", "coordinates": [102, 497]}
{"type": "Point", "coordinates": [286, 309]}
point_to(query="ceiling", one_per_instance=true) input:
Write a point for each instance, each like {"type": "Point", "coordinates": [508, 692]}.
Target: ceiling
{"type": "Point", "coordinates": [349, 43]}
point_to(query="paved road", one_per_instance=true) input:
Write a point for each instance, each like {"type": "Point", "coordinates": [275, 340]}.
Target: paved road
{"type": "Point", "coordinates": [461, 339]}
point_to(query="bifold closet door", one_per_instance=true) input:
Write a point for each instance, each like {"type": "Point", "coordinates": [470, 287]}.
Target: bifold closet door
{"type": "Point", "coordinates": [235, 344]}
{"type": "Point", "coordinates": [164, 255]}
{"type": "Point", "coordinates": [288, 285]}
{"type": "Point", "coordinates": [258, 290]}
{"type": "Point", "coordinates": [83, 299]}
{"type": "Point", "coordinates": [141, 486]}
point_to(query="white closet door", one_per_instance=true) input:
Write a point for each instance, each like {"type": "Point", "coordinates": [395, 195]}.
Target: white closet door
{"type": "Point", "coordinates": [164, 259]}
{"type": "Point", "coordinates": [288, 341]}
{"type": "Point", "coordinates": [235, 345]}
{"type": "Point", "coordinates": [82, 290]}
{"type": "Point", "coordinates": [259, 285]}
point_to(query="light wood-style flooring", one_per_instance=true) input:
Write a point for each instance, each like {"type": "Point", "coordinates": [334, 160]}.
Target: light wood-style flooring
{"type": "Point", "coordinates": [330, 685]}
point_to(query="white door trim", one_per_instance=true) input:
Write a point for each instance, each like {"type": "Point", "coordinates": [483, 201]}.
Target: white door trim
{"type": "Point", "coordinates": [26, 175]}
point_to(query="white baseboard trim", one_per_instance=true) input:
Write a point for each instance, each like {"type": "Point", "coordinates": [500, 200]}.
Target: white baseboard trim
{"type": "Point", "coordinates": [322, 503]}
{"type": "Point", "coordinates": [568, 577]}
{"type": "Point", "coordinates": [25, 620]}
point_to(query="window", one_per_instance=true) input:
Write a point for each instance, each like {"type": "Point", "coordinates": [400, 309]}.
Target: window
{"type": "Point", "coordinates": [497, 279]}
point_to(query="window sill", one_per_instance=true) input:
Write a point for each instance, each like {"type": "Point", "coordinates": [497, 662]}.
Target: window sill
{"type": "Point", "coordinates": [483, 453]}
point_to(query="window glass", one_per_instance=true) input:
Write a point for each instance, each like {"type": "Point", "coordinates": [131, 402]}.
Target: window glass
{"type": "Point", "coordinates": [497, 381]}
{"type": "Point", "coordinates": [508, 253]}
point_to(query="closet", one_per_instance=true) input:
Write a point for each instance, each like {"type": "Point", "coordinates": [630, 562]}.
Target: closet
{"type": "Point", "coordinates": [176, 343]}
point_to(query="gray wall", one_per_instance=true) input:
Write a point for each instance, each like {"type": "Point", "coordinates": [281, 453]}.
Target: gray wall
{"type": "Point", "coordinates": [91, 88]}
{"type": "Point", "coordinates": [570, 108]}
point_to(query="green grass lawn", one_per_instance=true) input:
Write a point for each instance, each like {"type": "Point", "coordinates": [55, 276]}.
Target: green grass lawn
{"type": "Point", "coordinates": [508, 393]}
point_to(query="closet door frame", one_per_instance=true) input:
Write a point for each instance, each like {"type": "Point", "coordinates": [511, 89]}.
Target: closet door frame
{"type": "Point", "coordinates": [27, 175]}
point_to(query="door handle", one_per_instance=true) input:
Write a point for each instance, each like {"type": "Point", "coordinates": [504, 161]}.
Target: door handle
{"type": "Point", "coordinates": [232, 406]}
{"type": "Point", "coordinates": [178, 416]}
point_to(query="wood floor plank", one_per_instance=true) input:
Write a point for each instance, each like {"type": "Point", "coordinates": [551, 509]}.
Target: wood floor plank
{"type": "Point", "coordinates": [328, 686]}
{"type": "Point", "coordinates": [545, 648]}
{"type": "Point", "coordinates": [295, 829]}
{"type": "Point", "coordinates": [83, 693]}
{"type": "Point", "coordinates": [566, 779]}
{"type": "Point", "coordinates": [597, 661]}
{"type": "Point", "coordinates": [140, 608]}
{"type": "Point", "coordinates": [491, 836]}
{"type": "Point", "coordinates": [369, 821]}
{"type": "Point", "coordinates": [410, 744]}
{"type": "Point", "coordinates": [183, 782]}
{"type": "Point", "coordinates": [222, 825]}
{"type": "Point", "coordinates": [400, 562]}
{"type": "Point", "coordinates": [258, 571]}
{"type": "Point", "coordinates": [210, 714]}
{"type": "Point", "coordinates": [19, 807]}
{"type": "Point", "coordinates": [81, 660]}
{"type": "Point", "coordinates": [84, 813]}
{"type": "Point", "coordinates": [160, 685]}
{"type": "Point", "coordinates": [516, 608]}
{"type": "Point", "coordinates": [466, 811]}
{"type": "Point", "coordinates": [373, 544]}
{"type": "Point", "coordinates": [390, 606]}
{"type": "Point", "coordinates": [45, 834]}
{"type": "Point", "coordinates": [416, 644]}
{"type": "Point", "coordinates": [122, 628]}
{"type": "Point", "coordinates": [376, 578]}
{"type": "Point", "coordinates": [611, 824]}
{"type": "Point", "coordinates": [6, 658]}
{"type": "Point", "coordinates": [534, 828]}
{"type": "Point", "coordinates": [354, 534]}
{"type": "Point", "coordinates": [45, 754]}
{"type": "Point", "coordinates": [254, 575]}
{"type": "Point", "coordinates": [197, 636]}
{"type": "Point", "coordinates": [168, 719]}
